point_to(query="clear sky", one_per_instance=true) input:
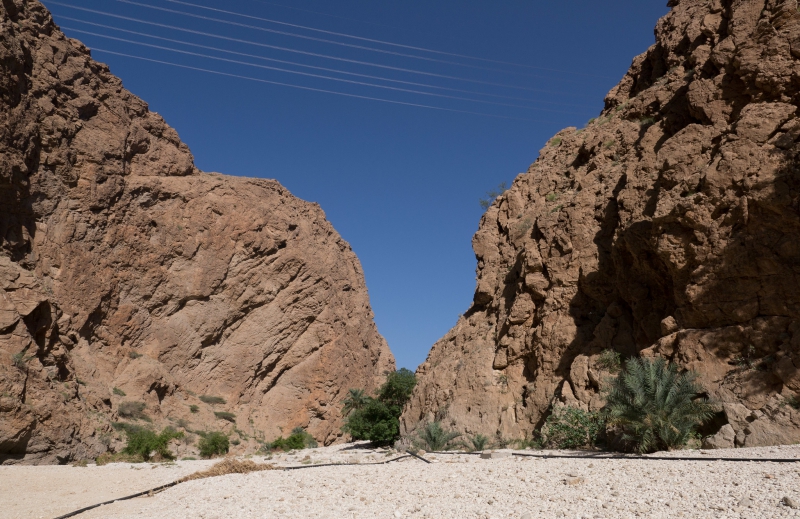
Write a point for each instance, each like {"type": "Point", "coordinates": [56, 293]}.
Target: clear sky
{"type": "Point", "coordinates": [400, 182]}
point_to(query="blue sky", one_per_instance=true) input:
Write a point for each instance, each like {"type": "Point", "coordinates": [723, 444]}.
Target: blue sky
{"type": "Point", "coordinates": [399, 181]}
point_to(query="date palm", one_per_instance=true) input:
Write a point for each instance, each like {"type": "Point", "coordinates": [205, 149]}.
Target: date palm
{"type": "Point", "coordinates": [356, 399]}
{"type": "Point", "coordinates": [433, 438]}
{"type": "Point", "coordinates": [655, 406]}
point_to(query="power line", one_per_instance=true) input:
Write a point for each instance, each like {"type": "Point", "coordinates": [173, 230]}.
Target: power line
{"type": "Point", "coordinates": [306, 53]}
{"type": "Point", "coordinates": [383, 42]}
{"type": "Point", "coordinates": [328, 15]}
{"type": "Point", "coordinates": [301, 87]}
{"type": "Point", "coordinates": [308, 74]}
{"type": "Point", "coordinates": [323, 40]}
{"type": "Point", "coordinates": [426, 85]}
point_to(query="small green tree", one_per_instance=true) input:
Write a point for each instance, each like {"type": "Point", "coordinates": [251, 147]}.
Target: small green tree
{"type": "Point", "coordinates": [375, 422]}
{"type": "Point", "coordinates": [433, 438]}
{"type": "Point", "coordinates": [378, 419]}
{"type": "Point", "coordinates": [655, 406]}
{"type": "Point", "coordinates": [213, 444]}
{"type": "Point", "coordinates": [397, 389]}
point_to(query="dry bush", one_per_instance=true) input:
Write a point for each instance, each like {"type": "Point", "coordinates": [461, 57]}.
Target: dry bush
{"type": "Point", "coordinates": [229, 466]}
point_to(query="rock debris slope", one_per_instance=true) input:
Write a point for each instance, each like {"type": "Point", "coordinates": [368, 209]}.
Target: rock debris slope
{"type": "Point", "coordinates": [669, 226]}
{"type": "Point", "coordinates": [127, 275]}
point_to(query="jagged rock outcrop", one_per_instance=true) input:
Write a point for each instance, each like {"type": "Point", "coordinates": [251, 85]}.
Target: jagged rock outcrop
{"type": "Point", "coordinates": [127, 275]}
{"type": "Point", "coordinates": [668, 226]}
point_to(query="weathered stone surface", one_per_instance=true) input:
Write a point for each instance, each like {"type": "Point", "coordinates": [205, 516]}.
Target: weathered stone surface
{"type": "Point", "coordinates": [724, 439]}
{"type": "Point", "coordinates": [123, 266]}
{"type": "Point", "coordinates": [669, 226]}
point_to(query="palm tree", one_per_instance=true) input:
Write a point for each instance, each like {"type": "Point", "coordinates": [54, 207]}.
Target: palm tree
{"type": "Point", "coordinates": [478, 442]}
{"type": "Point", "coordinates": [656, 407]}
{"type": "Point", "coordinates": [356, 399]}
{"type": "Point", "coordinates": [434, 438]}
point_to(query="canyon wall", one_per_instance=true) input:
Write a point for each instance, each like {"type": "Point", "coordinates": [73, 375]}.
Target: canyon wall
{"type": "Point", "coordinates": [129, 276]}
{"type": "Point", "coordinates": [668, 226]}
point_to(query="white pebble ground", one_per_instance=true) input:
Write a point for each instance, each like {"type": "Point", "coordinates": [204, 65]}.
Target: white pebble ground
{"type": "Point", "coordinates": [454, 486]}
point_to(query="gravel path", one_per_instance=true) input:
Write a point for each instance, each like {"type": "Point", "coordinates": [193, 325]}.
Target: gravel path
{"type": "Point", "coordinates": [454, 486]}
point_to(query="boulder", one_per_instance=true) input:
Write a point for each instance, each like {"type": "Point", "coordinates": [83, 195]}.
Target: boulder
{"type": "Point", "coordinates": [724, 439]}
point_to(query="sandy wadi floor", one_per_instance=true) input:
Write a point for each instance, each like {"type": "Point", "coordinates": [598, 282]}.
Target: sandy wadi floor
{"type": "Point", "coordinates": [454, 486]}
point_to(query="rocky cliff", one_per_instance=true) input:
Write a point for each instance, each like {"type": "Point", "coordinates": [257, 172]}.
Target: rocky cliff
{"type": "Point", "coordinates": [130, 278]}
{"type": "Point", "coordinates": [669, 226]}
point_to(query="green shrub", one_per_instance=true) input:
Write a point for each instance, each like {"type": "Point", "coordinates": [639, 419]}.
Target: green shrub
{"type": "Point", "coordinates": [144, 442]}
{"type": "Point", "coordinates": [610, 360]}
{"type": "Point", "coordinates": [212, 399]}
{"type": "Point", "coordinates": [117, 391]}
{"type": "Point", "coordinates": [555, 142]}
{"type": "Point", "coordinates": [655, 406]}
{"type": "Point", "coordinates": [224, 415]}
{"type": "Point", "coordinates": [433, 438]}
{"type": "Point", "coordinates": [213, 444]}
{"type": "Point", "coordinates": [478, 442]}
{"type": "Point", "coordinates": [308, 440]}
{"type": "Point", "coordinates": [194, 409]}
{"type": "Point", "coordinates": [294, 442]}
{"type": "Point", "coordinates": [397, 389]}
{"type": "Point", "coordinates": [375, 422]}
{"type": "Point", "coordinates": [134, 355]}
{"type": "Point", "coordinates": [133, 410]}
{"type": "Point", "coordinates": [571, 428]}
{"type": "Point", "coordinates": [378, 418]}
{"type": "Point", "coordinates": [646, 121]}
{"type": "Point", "coordinates": [492, 194]}
{"type": "Point", "coordinates": [551, 197]}
{"type": "Point", "coordinates": [20, 361]}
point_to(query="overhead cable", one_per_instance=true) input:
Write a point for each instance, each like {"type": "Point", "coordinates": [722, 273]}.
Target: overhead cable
{"type": "Point", "coordinates": [312, 89]}
{"type": "Point", "coordinates": [383, 42]}
{"type": "Point", "coordinates": [323, 40]}
{"type": "Point", "coordinates": [255, 56]}
{"type": "Point", "coordinates": [309, 74]}
{"type": "Point", "coordinates": [306, 53]}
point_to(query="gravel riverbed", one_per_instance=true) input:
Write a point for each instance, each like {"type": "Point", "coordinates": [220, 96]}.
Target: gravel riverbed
{"type": "Point", "coordinates": [453, 486]}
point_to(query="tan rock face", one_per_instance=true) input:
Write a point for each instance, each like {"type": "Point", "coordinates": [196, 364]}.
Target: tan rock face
{"type": "Point", "coordinates": [668, 226]}
{"type": "Point", "coordinates": [125, 270]}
